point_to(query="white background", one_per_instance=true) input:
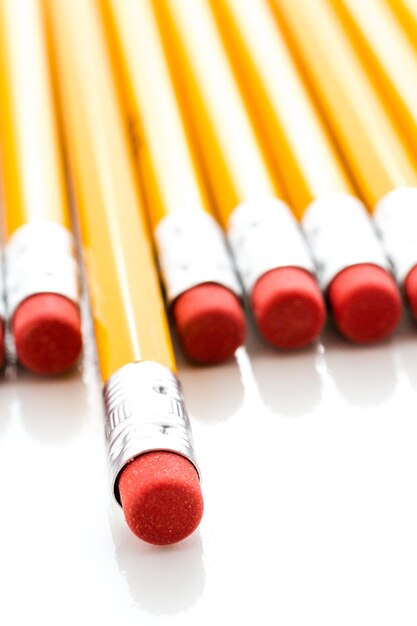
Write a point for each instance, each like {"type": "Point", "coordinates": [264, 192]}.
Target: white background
{"type": "Point", "coordinates": [309, 475]}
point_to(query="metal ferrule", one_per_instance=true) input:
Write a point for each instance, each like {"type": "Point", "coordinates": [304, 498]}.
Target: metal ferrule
{"type": "Point", "coordinates": [264, 235]}
{"type": "Point", "coordinates": [145, 412]}
{"type": "Point", "coordinates": [40, 258]}
{"type": "Point", "coordinates": [340, 234]}
{"type": "Point", "coordinates": [192, 250]}
{"type": "Point", "coordinates": [395, 218]}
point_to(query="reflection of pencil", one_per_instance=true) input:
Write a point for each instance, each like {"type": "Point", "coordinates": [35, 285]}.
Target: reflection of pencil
{"type": "Point", "coordinates": [42, 289]}
{"type": "Point", "coordinates": [151, 457]}
{"type": "Point", "coordinates": [196, 266]}
{"type": "Point", "coordinates": [270, 253]}
{"type": "Point", "coordinates": [353, 269]}
{"type": "Point", "coordinates": [371, 25]}
{"type": "Point", "coordinates": [378, 161]}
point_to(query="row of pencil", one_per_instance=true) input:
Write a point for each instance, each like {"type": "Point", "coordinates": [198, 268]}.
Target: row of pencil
{"type": "Point", "coordinates": [281, 131]}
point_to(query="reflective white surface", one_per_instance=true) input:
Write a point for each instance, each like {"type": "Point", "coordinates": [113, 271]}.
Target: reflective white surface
{"type": "Point", "coordinates": [309, 474]}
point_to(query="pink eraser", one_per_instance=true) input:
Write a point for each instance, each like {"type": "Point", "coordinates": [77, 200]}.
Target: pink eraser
{"type": "Point", "coordinates": [1, 342]}
{"type": "Point", "coordinates": [366, 303]}
{"type": "Point", "coordinates": [410, 288]}
{"type": "Point", "coordinates": [288, 307]}
{"type": "Point", "coordinates": [47, 332]}
{"type": "Point", "coordinates": [161, 497]}
{"type": "Point", "coordinates": [210, 323]}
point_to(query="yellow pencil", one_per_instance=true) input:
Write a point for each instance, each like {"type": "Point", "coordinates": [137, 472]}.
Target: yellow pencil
{"type": "Point", "coordinates": [406, 12]}
{"type": "Point", "coordinates": [42, 287]}
{"type": "Point", "coordinates": [353, 268]}
{"type": "Point", "coordinates": [381, 166]}
{"type": "Point", "coordinates": [370, 26]}
{"type": "Point", "coordinates": [151, 458]}
{"type": "Point", "coordinates": [270, 253]}
{"type": "Point", "coordinates": [196, 266]}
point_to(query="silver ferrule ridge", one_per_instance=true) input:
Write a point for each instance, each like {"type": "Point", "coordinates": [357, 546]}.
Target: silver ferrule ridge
{"type": "Point", "coordinates": [192, 251]}
{"type": "Point", "coordinates": [395, 218]}
{"type": "Point", "coordinates": [264, 235]}
{"type": "Point", "coordinates": [340, 234]}
{"type": "Point", "coordinates": [40, 258]}
{"type": "Point", "coordinates": [145, 412]}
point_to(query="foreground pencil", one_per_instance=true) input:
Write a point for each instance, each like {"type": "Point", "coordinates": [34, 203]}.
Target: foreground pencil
{"type": "Point", "coordinates": [271, 255]}
{"type": "Point", "coordinates": [380, 164]}
{"type": "Point", "coordinates": [42, 289]}
{"type": "Point", "coordinates": [197, 269]}
{"type": "Point", "coordinates": [152, 465]}
{"type": "Point", "coordinates": [353, 269]}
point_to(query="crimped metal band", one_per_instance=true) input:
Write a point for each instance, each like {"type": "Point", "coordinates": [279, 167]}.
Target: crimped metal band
{"type": "Point", "coordinates": [264, 235]}
{"type": "Point", "coordinates": [396, 221]}
{"type": "Point", "coordinates": [340, 233]}
{"type": "Point", "coordinates": [40, 259]}
{"type": "Point", "coordinates": [145, 412]}
{"type": "Point", "coordinates": [192, 250]}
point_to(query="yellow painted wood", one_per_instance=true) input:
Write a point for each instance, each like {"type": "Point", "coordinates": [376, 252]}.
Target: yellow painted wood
{"type": "Point", "coordinates": [128, 310]}
{"type": "Point", "coordinates": [228, 144]}
{"type": "Point", "coordinates": [365, 133]}
{"type": "Point", "coordinates": [291, 127]}
{"type": "Point", "coordinates": [32, 166]}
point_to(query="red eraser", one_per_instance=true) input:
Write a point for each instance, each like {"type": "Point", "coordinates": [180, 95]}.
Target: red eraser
{"type": "Point", "coordinates": [161, 497]}
{"type": "Point", "coordinates": [210, 323]}
{"type": "Point", "coordinates": [1, 342]}
{"type": "Point", "coordinates": [47, 332]}
{"type": "Point", "coordinates": [366, 303]}
{"type": "Point", "coordinates": [288, 307]}
{"type": "Point", "coordinates": [410, 288]}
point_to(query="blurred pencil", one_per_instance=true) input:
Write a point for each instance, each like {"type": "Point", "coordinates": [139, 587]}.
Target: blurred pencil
{"type": "Point", "coordinates": [272, 257]}
{"type": "Point", "coordinates": [196, 266]}
{"type": "Point", "coordinates": [381, 166]}
{"type": "Point", "coordinates": [353, 268]}
{"type": "Point", "coordinates": [42, 287]}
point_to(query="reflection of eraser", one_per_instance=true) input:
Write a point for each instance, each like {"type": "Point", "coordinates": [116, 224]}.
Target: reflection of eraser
{"type": "Point", "coordinates": [210, 323]}
{"type": "Point", "coordinates": [366, 303]}
{"type": "Point", "coordinates": [47, 332]}
{"type": "Point", "coordinates": [410, 288]}
{"type": "Point", "coordinates": [288, 307]}
{"type": "Point", "coordinates": [161, 497]}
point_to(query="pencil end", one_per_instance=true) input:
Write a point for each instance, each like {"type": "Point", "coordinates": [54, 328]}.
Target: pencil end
{"type": "Point", "coordinates": [288, 307]}
{"type": "Point", "coordinates": [410, 288]}
{"type": "Point", "coordinates": [366, 303]}
{"type": "Point", "coordinates": [210, 323]}
{"type": "Point", "coordinates": [47, 332]}
{"type": "Point", "coordinates": [161, 497]}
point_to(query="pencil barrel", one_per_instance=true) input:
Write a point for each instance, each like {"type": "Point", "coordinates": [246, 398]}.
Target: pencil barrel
{"type": "Point", "coordinates": [264, 236]}
{"type": "Point", "coordinates": [40, 258]}
{"type": "Point", "coordinates": [145, 412]}
{"type": "Point", "coordinates": [192, 251]}
{"type": "Point", "coordinates": [340, 234]}
{"type": "Point", "coordinates": [396, 221]}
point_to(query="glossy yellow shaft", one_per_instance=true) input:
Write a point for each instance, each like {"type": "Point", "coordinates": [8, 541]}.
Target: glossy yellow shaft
{"type": "Point", "coordinates": [169, 170]}
{"type": "Point", "coordinates": [230, 150]}
{"type": "Point", "coordinates": [406, 12]}
{"type": "Point", "coordinates": [128, 310]}
{"type": "Point", "coordinates": [33, 173]}
{"type": "Point", "coordinates": [292, 129]}
{"type": "Point", "coordinates": [362, 127]}
{"type": "Point", "coordinates": [371, 25]}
